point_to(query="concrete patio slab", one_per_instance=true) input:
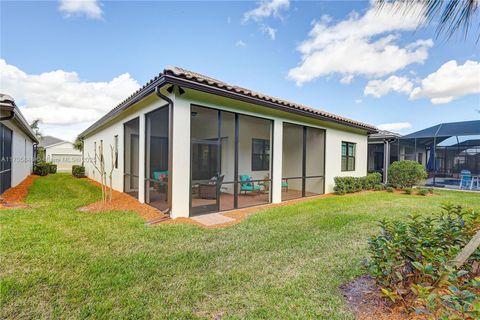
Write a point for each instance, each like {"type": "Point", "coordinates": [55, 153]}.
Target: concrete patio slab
{"type": "Point", "coordinates": [211, 219]}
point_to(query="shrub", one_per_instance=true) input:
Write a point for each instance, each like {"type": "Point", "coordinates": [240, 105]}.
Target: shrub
{"type": "Point", "coordinates": [431, 190]}
{"type": "Point", "coordinates": [408, 258]}
{"type": "Point", "coordinates": [390, 189]}
{"type": "Point", "coordinates": [422, 191]}
{"type": "Point", "coordinates": [379, 187]}
{"type": "Point", "coordinates": [345, 185]}
{"type": "Point", "coordinates": [372, 180]}
{"type": "Point", "coordinates": [406, 173]}
{"type": "Point", "coordinates": [78, 171]}
{"type": "Point", "coordinates": [52, 168]}
{"type": "Point", "coordinates": [41, 168]}
{"type": "Point", "coordinates": [407, 190]}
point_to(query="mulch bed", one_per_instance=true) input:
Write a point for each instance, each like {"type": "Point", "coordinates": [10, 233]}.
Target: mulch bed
{"type": "Point", "coordinates": [15, 197]}
{"type": "Point", "coordinates": [123, 202]}
{"type": "Point", "coordinates": [367, 303]}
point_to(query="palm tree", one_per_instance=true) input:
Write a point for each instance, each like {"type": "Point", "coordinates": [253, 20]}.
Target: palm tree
{"type": "Point", "coordinates": [451, 15]}
{"type": "Point", "coordinates": [35, 125]}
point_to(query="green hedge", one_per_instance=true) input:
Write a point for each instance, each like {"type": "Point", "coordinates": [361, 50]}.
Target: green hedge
{"type": "Point", "coordinates": [41, 169]}
{"type": "Point", "coordinates": [345, 185]}
{"type": "Point", "coordinates": [78, 171]}
{"type": "Point", "coordinates": [52, 168]}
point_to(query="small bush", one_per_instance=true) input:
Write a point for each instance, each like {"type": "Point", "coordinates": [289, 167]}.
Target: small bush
{"type": "Point", "coordinates": [41, 169]}
{"type": "Point", "coordinates": [390, 189]}
{"type": "Point", "coordinates": [407, 190]}
{"type": "Point", "coordinates": [78, 171]}
{"type": "Point", "coordinates": [407, 259]}
{"type": "Point", "coordinates": [379, 187]}
{"type": "Point", "coordinates": [422, 191]}
{"type": "Point", "coordinates": [431, 190]}
{"type": "Point", "coordinates": [345, 185]}
{"type": "Point", "coordinates": [406, 173]}
{"type": "Point", "coordinates": [372, 180]}
{"type": "Point", "coordinates": [52, 168]}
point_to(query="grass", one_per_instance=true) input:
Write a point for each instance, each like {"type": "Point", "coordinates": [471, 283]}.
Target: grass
{"type": "Point", "coordinates": [286, 262]}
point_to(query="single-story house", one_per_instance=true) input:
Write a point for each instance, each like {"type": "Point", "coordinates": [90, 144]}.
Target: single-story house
{"type": "Point", "coordinates": [17, 141]}
{"type": "Point", "coordinates": [187, 144]}
{"type": "Point", "coordinates": [450, 152]}
{"type": "Point", "coordinates": [60, 152]}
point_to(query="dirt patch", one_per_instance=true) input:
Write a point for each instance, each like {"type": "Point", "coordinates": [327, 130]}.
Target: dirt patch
{"type": "Point", "coordinates": [366, 302]}
{"type": "Point", "coordinates": [15, 197]}
{"type": "Point", "coordinates": [124, 202]}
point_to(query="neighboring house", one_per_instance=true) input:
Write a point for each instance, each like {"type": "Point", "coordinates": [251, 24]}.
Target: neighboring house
{"type": "Point", "coordinates": [450, 152]}
{"type": "Point", "coordinates": [186, 144]}
{"type": "Point", "coordinates": [17, 142]}
{"type": "Point", "coordinates": [60, 152]}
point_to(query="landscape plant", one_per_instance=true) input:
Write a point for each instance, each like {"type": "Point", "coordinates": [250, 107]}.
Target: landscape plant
{"type": "Point", "coordinates": [78, 171]}
{"type": "Point", "coordinates": [406, 174]}
{"type": "Point", "coordinates": [410, 260]}
{"type": "Point", "coordinates": [422, 191]}
{"type": "Point", "coordinates": [390, 189]}
{"type": "Point", "coordinates": [52, 168]}
{"type": "Point", "coordinates": [41, 168]}
{"type": "Point", "coordinates": [345, 185]}
{"type": "Point", "coordinates": [407, 190]}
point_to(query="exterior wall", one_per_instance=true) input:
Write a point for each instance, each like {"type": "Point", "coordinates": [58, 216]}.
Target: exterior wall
{"type": "Point", "coordinates": [107, 134]}
{"type": "Point", "coordinates": [22, 153]}
{"type": "Point", "coordinates": [181, 127]}
{"type": "Point", "coordinates": [66, 152]}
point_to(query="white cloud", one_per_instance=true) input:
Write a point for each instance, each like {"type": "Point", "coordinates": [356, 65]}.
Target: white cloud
{"type": "Point", "coordinates": [378, 88]}
{"type": "Point", "coordinates": [394, 126]}
{"type": "Point", "coordinates": [358, 101]}
{"type": "Point", "coordinates": [450, 81]}
{"type": "Point", "coordinates": [347, 79]}
{"type": "Point", "coordinates": [265, 9]}
{"type": "Point", "coordinates": [240, 44]}
{"type": "Point", "coordinates": [61, 98]}
{"type": "Point", "coordinates": [271, 32]}
{"type": "Point", "coordinates": [89, 8]}
{"type": "Point", "coordinates": [360, 45]}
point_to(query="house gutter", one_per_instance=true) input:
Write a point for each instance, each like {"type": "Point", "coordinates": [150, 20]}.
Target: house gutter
{"type": "Point", "coordinates": [9, 108]}
{"type": "Point", "coordinates": [170, 142]}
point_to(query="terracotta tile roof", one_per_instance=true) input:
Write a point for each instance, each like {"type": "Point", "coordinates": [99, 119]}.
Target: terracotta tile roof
{"type": "Point", "coordinates": [183, 74]}
{"type": "Point", "coordinates": [197, 77]}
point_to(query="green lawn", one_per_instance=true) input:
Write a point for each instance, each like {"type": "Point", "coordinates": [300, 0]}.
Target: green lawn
{"type": "Point", "coordinates": [283, 263]}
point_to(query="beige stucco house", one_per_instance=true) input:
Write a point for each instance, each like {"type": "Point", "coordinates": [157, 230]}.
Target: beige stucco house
{"type": "Point", "coordinates": [186, 144]}
{"type": "Point", "coordinates": [60, 152]}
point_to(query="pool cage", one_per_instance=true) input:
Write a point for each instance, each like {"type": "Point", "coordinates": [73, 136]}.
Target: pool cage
{"type": "Point", "coordinates": [450, 153]}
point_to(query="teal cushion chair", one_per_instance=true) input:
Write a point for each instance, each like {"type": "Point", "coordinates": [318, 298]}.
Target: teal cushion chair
{"type": "Point", "coordinates": [247, 185]}
{"type": "Point", "coordinates": [285, 184]}
{"type": "Point", "coordinates": [161, 179]}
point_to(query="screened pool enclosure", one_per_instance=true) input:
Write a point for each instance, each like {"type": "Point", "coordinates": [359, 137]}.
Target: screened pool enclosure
{"type": "Point", "coordinates": [450, 153]}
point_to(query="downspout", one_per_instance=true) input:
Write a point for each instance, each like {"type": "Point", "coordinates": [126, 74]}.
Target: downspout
{"type": "Point", "coordinates": [170, 143]}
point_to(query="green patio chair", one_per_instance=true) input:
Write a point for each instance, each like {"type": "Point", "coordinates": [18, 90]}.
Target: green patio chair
{"type": "Point", "coordinates": [285, 184]}
{"type": "Point", "coordinates": [247, 185]}
{"type": "Point", "coordinates": [161, 180]}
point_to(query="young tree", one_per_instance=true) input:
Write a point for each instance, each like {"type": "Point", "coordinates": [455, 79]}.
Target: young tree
{"type": "Point", "coordinates": [35, 125]}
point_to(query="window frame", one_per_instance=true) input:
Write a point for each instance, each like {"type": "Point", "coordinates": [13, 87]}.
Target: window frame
{"type": "Point", "coordinates": [348, 157]}
{"type": "Point", "coordinates": [264, 155]}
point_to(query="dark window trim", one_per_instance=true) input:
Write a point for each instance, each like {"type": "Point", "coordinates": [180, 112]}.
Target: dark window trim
{"type": "Point", "coordinates": [348, 157]}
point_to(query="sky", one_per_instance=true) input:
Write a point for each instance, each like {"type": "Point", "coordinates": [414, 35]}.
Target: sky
{"type": "Point", "coordinates": [69, 62]}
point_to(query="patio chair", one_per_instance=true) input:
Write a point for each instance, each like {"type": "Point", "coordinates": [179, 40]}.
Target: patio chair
{"type": "Point", "coordinates": [285, 184]}
{"type": "Point", "coordinates": [211, 189]}
{"type": "Point", "coordinates": [160, 180]}
{"type": "Point", "coordinates": [466, 181]}
{"type": "Point", "coordinates": [247, 185]}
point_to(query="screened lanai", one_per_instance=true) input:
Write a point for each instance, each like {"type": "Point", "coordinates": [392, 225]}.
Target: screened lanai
{"type": "Point", "coordinates": [449, 151]}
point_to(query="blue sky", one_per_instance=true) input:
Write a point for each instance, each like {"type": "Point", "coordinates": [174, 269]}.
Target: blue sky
{"type": "Point", "coordinates": [68, 63]}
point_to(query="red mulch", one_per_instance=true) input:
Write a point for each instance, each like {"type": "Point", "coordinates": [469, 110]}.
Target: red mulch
{"type": "Point", "coordinates": [124, 202]}
{"type": "Point", "coordinates": [15, 197]}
